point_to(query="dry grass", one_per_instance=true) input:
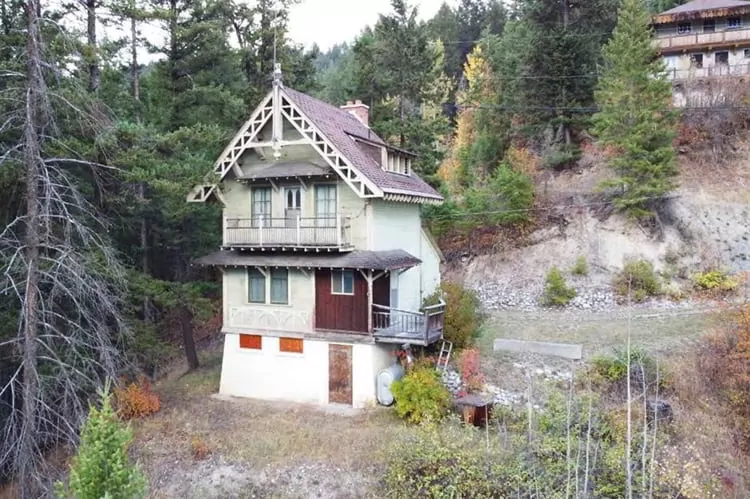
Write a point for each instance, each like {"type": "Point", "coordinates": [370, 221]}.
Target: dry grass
{"type": "Point", "coordinates": [258, 433]}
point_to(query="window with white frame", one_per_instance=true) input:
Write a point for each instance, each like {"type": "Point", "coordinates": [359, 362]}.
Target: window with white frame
{"type": "Point", "coordinates": [325, 205]}
{"type": "Point", "coordinates": [734, 22]}
{"type": "Point", "coordinates": [398, 163]}
{"type": "Point", "coordinates": [256, 286]}
{"type": "Point", "coordinates": [709, 25]}
{"type": "Point", "coordinates": [342, 282]}
{"type": "Point", "coordinates": [261, 206]}
{"type": "Point", "coordinates": [280, 286]}
{"type": "Point", "coordinates": [684, 28]}
{"type": "Point", "coordinates": [268, 287]}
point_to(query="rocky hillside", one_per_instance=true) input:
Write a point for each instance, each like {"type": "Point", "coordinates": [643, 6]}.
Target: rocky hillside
{"type": "Point", "coordinates": [704, 225]}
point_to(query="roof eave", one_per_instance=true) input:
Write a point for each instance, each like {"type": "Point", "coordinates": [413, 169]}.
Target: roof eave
{"type": "Point", "coordinates": [665, 18]}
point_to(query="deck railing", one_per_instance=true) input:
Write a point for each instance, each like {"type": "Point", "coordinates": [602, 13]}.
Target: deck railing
{"type": "Point", "coordinates": [299, 232]}
{"type": "Point", "coordinates": [394, 325]}
{"type": "Point", "coordinates": [688, 40]}
{"type": "Point", "coordinates": [717, 70]}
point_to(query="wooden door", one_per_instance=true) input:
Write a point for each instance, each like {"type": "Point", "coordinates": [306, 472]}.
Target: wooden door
{"type": "Point", "coordinates": [340, 374]}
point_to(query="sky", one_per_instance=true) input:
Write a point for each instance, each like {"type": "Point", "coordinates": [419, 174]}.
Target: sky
{"type": "Point", "coordinates": [327, 22]}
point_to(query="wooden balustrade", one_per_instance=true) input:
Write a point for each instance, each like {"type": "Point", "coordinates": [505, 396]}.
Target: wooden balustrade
{"type": "Point", "coordinates": [299, 232]}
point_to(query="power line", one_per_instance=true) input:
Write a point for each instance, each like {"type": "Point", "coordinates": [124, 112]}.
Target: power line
{"type": "Point", "coordinates": [451, 216]}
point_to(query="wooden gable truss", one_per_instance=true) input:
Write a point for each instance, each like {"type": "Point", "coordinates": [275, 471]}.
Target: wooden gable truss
{"type": "Point", "coordinates": [275, 107]}
{"type": "Point", "coordinates": [363, 186]}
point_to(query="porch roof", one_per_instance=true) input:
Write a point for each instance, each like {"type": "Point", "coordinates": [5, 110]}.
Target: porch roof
{"type": "Point", "coordinates": [288, 170]}
{"type": "Point", "coordinates": [364, 260]}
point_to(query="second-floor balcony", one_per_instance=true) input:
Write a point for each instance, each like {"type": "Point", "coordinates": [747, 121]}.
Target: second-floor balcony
{"type": "Point", "coordinates": [305, 233]}
{"type": "Point", "coordinates": [688, 41]}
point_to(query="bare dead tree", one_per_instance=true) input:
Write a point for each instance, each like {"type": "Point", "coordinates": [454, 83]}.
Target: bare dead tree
{"type": "Point", "coordinates": [64, 281]}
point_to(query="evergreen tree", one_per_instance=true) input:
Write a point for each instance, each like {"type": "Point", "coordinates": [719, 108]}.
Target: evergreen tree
{"type": "Point", "coordinates": [561, 56]}
{"type": "Point", "coordinates": [634, 117]}
{"type": "Point", "coordinates": [101, 467]}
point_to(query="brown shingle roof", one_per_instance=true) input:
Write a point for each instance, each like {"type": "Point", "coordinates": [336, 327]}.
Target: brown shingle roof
{"type": "Point", "coordinates": [372, 260]}
{"type": "Point", "coordinates": [703, 9]}
{"type": "Point", "coordinates": [697, 5]}
{"type": "Point", "coordinates": [337, 125]}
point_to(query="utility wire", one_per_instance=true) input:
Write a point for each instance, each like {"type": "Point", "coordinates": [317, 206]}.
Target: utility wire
{"type": "Point", "coordinates": [451, 216]}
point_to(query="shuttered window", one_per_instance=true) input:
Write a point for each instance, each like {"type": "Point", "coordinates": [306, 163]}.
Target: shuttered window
{"type": "Point", "coordinates": [280, 286]}
{"type": "Point", "coordinates": [291, 345]}
{"type": "Point", "coordinates": [251, 341]}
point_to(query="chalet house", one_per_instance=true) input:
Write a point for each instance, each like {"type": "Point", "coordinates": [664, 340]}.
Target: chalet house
{"type": "Point", "coordinates": [705, 45]}
{"type": "Point", "coordinates": [325, 262]}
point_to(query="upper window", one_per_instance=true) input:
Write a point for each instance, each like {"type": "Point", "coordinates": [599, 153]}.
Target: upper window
{"type": "Point", "coordinates": [734, 22]}
{"type": "Point", "coordinates": [398, 163]}
{"type": "Point", "coordinates": [709, 25]}
{"type": "Point", "coordinates": [261, 206]}
{"type": "Point", "coordinates": [325, 205]}
{"type": "Point", "coordinates": [683, 28]}
{"type": "Point", "coordinates": [263, 285]}
{"type": "Point", "coordinates": [342, 282]}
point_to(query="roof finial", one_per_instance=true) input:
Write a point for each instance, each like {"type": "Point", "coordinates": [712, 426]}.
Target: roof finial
{"type": "Point", "coordinates": [277, 76]}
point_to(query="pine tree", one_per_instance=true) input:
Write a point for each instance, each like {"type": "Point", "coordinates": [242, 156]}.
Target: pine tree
{"type": "Point", "coordinates": [102, 467]}
{"type": "Point", "coordinates": [634, 117]}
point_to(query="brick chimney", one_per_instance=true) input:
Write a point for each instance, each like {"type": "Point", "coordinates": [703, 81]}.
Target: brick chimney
{"type": "Point", "coordinates": [359, 110]}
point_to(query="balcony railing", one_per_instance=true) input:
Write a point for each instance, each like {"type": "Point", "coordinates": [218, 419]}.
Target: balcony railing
{"type": "Point", "coordinates": [668, 43]}
{"type": "Point", "coordinates": [295, 232]}
{"type": "Point", "coordinates": [717, 70]}
{"type": "Point", "coordinates": [392, 325]}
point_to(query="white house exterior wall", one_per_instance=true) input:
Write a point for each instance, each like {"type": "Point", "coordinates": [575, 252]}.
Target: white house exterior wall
{"type": "Point", "coordinates": [240, 316]}
{"type": "Point", "coordinates": [273, 375]}
{"type": "Point", "coordinates": [399, 226]}
{"type": "Point", "coordinates": [430, 268]}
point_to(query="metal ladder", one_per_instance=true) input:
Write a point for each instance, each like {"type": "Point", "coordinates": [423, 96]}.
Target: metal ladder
{"type": "Point", "coordinates": [445, 355]}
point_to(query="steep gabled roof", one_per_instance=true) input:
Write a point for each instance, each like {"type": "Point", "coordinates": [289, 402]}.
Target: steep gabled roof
{"type": "Point", "coordinates": [338, 126]}
{"type": "Point", "coordinates": [698, 9]}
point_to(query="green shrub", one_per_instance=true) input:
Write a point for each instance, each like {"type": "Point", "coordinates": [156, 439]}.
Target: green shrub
{"type": "Point", "coordinates": [101, 468]}
{"type": "Point", "coordinates": [715, 280]}
{"type": "Point", "coordinates": [639, 279]}
{"type": "Point", "coordinates": [420, 395]}
{"type": "Point", "coordinates": [556, 292]}
{"type": "Point", "coordinates": [613, 369]}
{"type": "Point", "coordinates": [437, 463]}
{"type": "Point", "coordinates": [581, 267]}
{"type": "Point", "coordinates": [462, 316]}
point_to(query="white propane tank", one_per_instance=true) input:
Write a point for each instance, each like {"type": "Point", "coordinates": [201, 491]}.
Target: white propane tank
{"type": "Point", "coordinates": [383, 383]}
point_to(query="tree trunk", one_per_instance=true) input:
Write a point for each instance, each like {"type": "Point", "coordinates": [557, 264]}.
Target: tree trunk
{"type": "Point", "coordinates": [186, 324]}
{"type": "Point", "coordinates": [30, 314]}
{"type": "Point", "coordinates": [94, 71]}
{"type": "Point", "coordinates": [134, 55]}
{"type": "Point", "coordinates": [145, 264]}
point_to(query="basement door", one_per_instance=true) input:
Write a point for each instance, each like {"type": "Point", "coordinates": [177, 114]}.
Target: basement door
{"type": "Point", "coordinates": [340, 374]}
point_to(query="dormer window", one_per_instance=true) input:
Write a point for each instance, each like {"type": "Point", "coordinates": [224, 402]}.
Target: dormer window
{"type": "Point", "coordinates": [397, 163]}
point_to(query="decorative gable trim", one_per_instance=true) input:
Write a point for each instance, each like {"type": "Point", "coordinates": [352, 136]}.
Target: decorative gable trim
{"type": "Point", "coordinates": [242, 139]}
{"type": "Point", "coordinates": [360, 184]}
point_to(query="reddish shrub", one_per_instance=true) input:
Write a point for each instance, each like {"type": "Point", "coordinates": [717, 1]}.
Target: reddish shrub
{"type": "Point", "coordinates": [470, 370]}
{"type": "Point", "coordinates": [136, 399]}
{"type": "Point", "coordinates": [724, 363]}
{"type": "Point", "coordinates": [199, 449]}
